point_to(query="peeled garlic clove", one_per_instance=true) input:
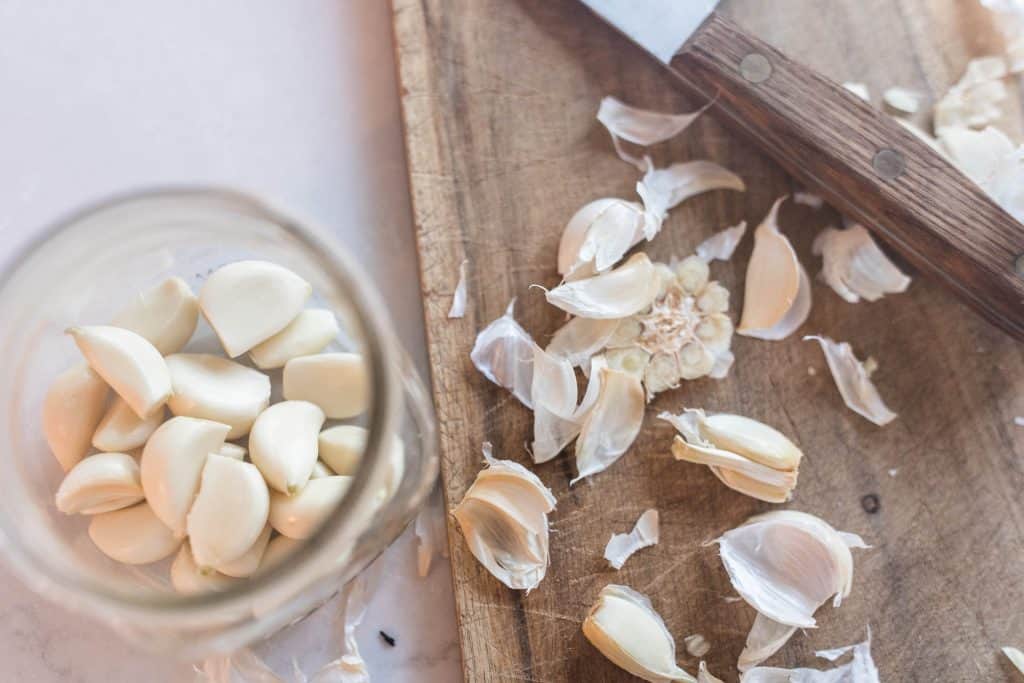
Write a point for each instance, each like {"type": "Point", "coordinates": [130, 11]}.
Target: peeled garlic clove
{"type": "Point", "coordinates": [100, 483]}
{"type": "Point", "coordinates": [624, 627]}
{"type": "Point", "coordinates": [301, 514]}
{"type": "Point", "coordinates": [187, 578]}
{"type": "Point", "coordinates": [283, 443]}
{"type": "Point", "coordinates": [229, 511]}
{"type": "Point", "coordinates": [615, 294]}
{"type": "Point", "coordinates": [133, 535]}
{"type": "Point", "coordinates": [310, 332]}
{"type": "Point", "coordinates": [751, 439]}
{"type": "Point", "coordinates": [722, 245]}
{"type": "Point", "coordinates": [764, 640]}
{"type": "Point", "coordinates": [230, 450]}
{"type": "Point", "coordinates": [854, 267]}
{"type": "Point", "coordinates": [172, 465]}
{"type": "Point", "coordinates": [738, 473]}
{"type": "Point", "coordinates": [612, 425]}
{"type": "Point", "coordinates": [248, 563]}
{"type": "Point", "coordinates": [73, 406]}
{"type": "Point", "coordinates": [854, 382]}
{"type": "Point", "coordinates": [342, 448]}
{"type": "Point", "coordinates": [215, 388]}
{"type": "Point", "coordinates": [581, 338]}
{"type": "Point", "coordinates": [337, 382]}
{"type": "Point", "coordinates": [248, 302]}
{"type": "Point", "coordinates": [128, 363]}
{"type": "Point", "coordinates": [321, 470]}
{"type": "Point", "coordinates": [622, 546]}
{"type": "Point", "coordinates": [166, 315]}
{"type": "Point", "coordinates": [278, 550]}
{"type": "Point", "coordinates": [503, 352]}
{"type": "Point", "coordinates": [121, 430]}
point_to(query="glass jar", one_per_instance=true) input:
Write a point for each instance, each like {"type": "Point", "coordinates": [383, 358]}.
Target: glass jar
{"type": "Point", "coordinates": [83, 270]}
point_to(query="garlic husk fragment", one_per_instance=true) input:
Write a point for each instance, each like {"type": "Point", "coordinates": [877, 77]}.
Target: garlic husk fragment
{"type": "Point", "coordinates": [858, 89]}
{"type": "Point", "coordinates": [310, 332]}
{"type": "Point", "coordinates": [248, 562]}
{"type": "Point", "coordinates": [337, 382]}
{"type": "Point", "coordinates": [553, 395]}
{"type": "Point", "coordinates": [121, 430]}
{"type": "Point", "coordinates": [598, 235]}
{"type": "Point", "coordinates": [860, 669]}
{"type": "Point", "coordinates": [503, 352]}
{"type": "Point", "coordinates": [991, 160]}
{"type": "Point", "coordinates": [580, 338]}
{"type": "Point", "coordinates": [73, 406]}
{"type": "Point", "coordinates": [705, 676]}
{"type": "Point", "coordinates": [431, 533]}
{"type": "Point", "coordinates": [215, 388]}
{"type": "Point", "coordinates": [166, 315]}
{"type": "Point", "coordinates": [974, 100]}
{"type": "Point", "coordinates": [640, 126]}
{"type": "Point", "coordinates": [777, 297]}
{"type": "Point", "coordinates": [624, 627]}
{"type": "Point", "coordinates": [902, 99]}
{"type": "Point", "coordinates": [100, 483]}
{"type": "Point", "coordinates": [172, 465]}
{"type": "Point", "coordinates": [665, 188]}
{"type": "Point", "coordinates": [229, 511]}
{"type": "Point", "coordinates": [808, 199]}
{"type": "Point", "coordinates": [621, 547]}
{"type": "Point", "coordinates": [766, 637]}
{"type": "Point", "coordinates": [854, 382]}
{"type": "Point", "coordinates": [342, 447]}
{"type": "Point", "coordinates": [1015, 656]}
{"type": "Point", "coordinates": [611, 426]}
{"type": "Point", "coordinates": [854, 266]}
{"type": "Point", "coordinates": [133, 535]}
{"type": "Point", "coordinates": [301, 514]}
{"type": "Point", "coordinates": [231, 450]}
{"type": "Point", "coordinates": [504, 518]}
{"type": "Point", "coordinates": [283, 443]}
{"type": "Point", "coordinates": [617, 293]}
{"type": "Point", "coordinates": [722, 245]}
{"type": "Point", "coordinates": [248, 302]}
{"type": "Point", "coordinates": [128, 363]}
{"type": "Point", "coordinates": [696, 645]}
{"type": "Point", "coordinates": [188, 579]}
{"type": "Point", "coordinates": [458, 307]}
{"type": "Point", "coordinates": [922, 135]}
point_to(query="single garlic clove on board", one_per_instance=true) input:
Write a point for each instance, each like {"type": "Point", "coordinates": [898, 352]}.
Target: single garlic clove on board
{"type": "Point", "coordinates": [128, 363]}
{"type": "Point", "coordinates": [249, 562]}
{"type": "Point", "coordinates": [321, 470]}
{"type": "Point", "coordinates": [248, 302]}
{"type": "Point", "coordinates": [133, 535]}
{"type": "Point", "coordinates": [278, 550]}
{"type": "Point", "coordinates": [217, 389]}
{"type": "Point", "coordinates": [342, 448]}
{"type": "Point", "coordinates": [231, 450]}
{"type": "Point", "coordinates": [187, 578]}
{"type": "Point", "coordinates": [166, 315]}
{"type": "Point", "coordinates": [121, 430]}
{"type": "Point", "coordinates": [172, 464]}
{"type": "Point", "coordinates": [73, 406]}
{"type": "Point", "coordinates": [301, 514]}
{"type": "Point", "coordinates": [229, 511]}
{"type": "Point", "coordinates": [624, 627]}
{"type": "Point", "coordinates": [100, 483]}
{"type": "Point", "coordinates": [310, 332]}
{"type": "Point", "coordinates": [337, 382]}
{"type": "Point", "coordinates": [752, 439]}
{"type": "Point", "coordinates": [283, 443]}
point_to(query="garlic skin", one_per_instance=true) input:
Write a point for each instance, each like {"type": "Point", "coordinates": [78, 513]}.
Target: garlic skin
{"type": "Point", "coordinates": [766, 637]}
{"type": "Point", "coordinates": [854, 267]}
{"type": "Point", "coordinates": [860, 669]}
{"type": "Point", "coordinates": [458, 307]}
{"type": "Point", "coordinates": [622, 546]}
{"type": "Point", "coordinates": [229, 512]}
{"type": "Point", "coordinates": [504, 519]}
{"type": "Point", "coordinates": [337, 382]}
{"type": "Point", "coordinates": [215, 388]}
{"type": "Point", "coordinates": [300, 515]}
{"type": "Point", "coordinates": [624, 627]}
{"type": "Point", "coordinates": [248, 302]}
{"type": "Point", "coordinates": [133, 535]}
{"type": "Point", "coordinates": [310, 332]}
{"type": "Point", "coordinates": [853, 380]}
{"type": "Point", "coordinates": [1015, 656]}
{"type": "Point", "coordinates": [973, 101]}
{"type": "Point", "coordinates": [902, 99]}
{"type": "Point", "coordinates": [230, 450]}
{"type": "Point", "coordinates": [665, 188]}
{"type": "Point", "coordinates": [581, 338]}
{"type": "Point", "coordinates": [166, 315]}
{"type": "Point", "coordinates": [597, 237]}
{"type": "Point", "coordinates": [283, 444]}
{"type": "Point", "coordinates": [617, 293]}
{"type": "Point", "coordinates": [188, 579]}
{"type": "Point", "coordinates": [640, 126]}
{"type": "Point", "coordinates": [705, 676]}
{"type": "Point", "coordinates": [554, 404]}
{"type": "Point", "coordinates": [612, 424]}
{"type": "Point", "coordinates": [722, 245]}
{"type": "Point", "coordinates": [503, 353]}
{"type": "Point", "coordinates": [342, 447]}
{"type": "Point", "coordinates": [248, 563]}
{"type": "Point", "coordinates": [100, 483]}
{"type": "Point", "coordinates": [128, 363]}
{"type": "Point", "coordinates": [172, 465]}
{"type": "Point", "coordinates": [73, 406]}
{"type": "Point", "coordinates": [121, 430]}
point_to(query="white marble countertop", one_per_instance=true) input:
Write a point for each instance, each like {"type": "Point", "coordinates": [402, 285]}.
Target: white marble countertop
{"type": "Point", "coordinates": [295, 101]}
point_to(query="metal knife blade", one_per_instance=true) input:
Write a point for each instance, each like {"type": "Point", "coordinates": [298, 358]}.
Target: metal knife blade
{"type": "Point", "coordinates": [659, 26]}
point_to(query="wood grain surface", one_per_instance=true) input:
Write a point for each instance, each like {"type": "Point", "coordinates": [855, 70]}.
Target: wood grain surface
{"type": "Point", "coordinates": [499, 98]}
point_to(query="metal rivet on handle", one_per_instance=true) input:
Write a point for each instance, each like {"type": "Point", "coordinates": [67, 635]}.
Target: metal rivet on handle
{"type": "Point", "coordinates": [888, 163]}
{"type": "Point", "coordinates": [755, 68]}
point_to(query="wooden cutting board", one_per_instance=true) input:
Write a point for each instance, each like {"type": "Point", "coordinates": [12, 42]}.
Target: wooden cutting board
{"type": "Point", "coordinates": [499, 98]}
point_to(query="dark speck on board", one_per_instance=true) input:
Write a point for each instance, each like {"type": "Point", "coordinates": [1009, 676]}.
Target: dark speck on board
{"type": "Point", "coordinates": [870, 503]}
{"type": "Point", "coordinates": [387, 639]}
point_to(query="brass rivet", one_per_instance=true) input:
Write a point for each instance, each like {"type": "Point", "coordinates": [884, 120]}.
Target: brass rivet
{"type": "Point", "coordinates": [888, 163]}
{"type": "Point", "coordinates": [755, 68]}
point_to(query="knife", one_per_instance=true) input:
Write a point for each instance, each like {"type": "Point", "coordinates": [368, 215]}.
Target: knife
{"type": "Point", "coordinates": [865, 164]}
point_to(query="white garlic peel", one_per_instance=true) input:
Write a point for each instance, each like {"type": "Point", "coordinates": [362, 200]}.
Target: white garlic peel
{"type": "Point", "coordinates": [215, 388]}
{"type": "Point", "coordinates": [337, 382]}
{"type": "Point", "coordinates": [696, 645]}
{"type": "Point", "coordinates": [902, 100]}
{"type": "Point", "coordinates": [248, 302]}
{"type": "Point", "coordinates": [166, 315]}
{"type": "Point", "coordinates": [1015, 656]}
{"type": "Point", "coordinates": [128, 363]}
{"type": "Point", "coordinates": [188, 579]}
{"type": "Point", "coordinates": [229, 512]}
{"type": "Point", "coordinates": [991, 160]}
{"type": "Point", "coordinates": [860, 669]}
{"type": "Point", "coordinates": [611, 426]}
{"type": "Point", "coordinates": [580, 338]}
{"type": "Point", "coordinates": [639, 126]}
{"type": "Point", "coordinates": [310, 332]}
{"type": "Point", "coordinates": [458, 307]}
{"type": "Point", "coordinates": [553, 395]}
{"type": "Point", "coordinates": [624, 627]}
{"type": "Point", "coordinates": [855, 267]}
{"type": "Point", "coordinates": [342, 447]}
{"type": "Point", "coordinates": [598, 235]}
{"type": "Point", "coordinates": [248, 562]}
{"type": "Point", "coordinates": [705, 676]}
{"type": "Point", "coordinates": [858, 89]}
{"type": "Point", "coordinates": [301, 514]}
{"type": "Point", "coordinates": [617, 293]}
{"type": "Point", "coordinates": [504, 519]}
{"type": "Point", "coordinates": [503, 352]}
{"type": "Point", "coordinates": [121, 430]}
{"type": "Point", "coordinates": [133, 535]}
{"type": "Point", "coordinates": [722, 245]}
{"type": "Point", "coordinates": [665, 188]}
{"type": "Point", "coordinates": [808, 199]}
{"type": "Point", "coordinates": [73, 406]}
{"type": "Point", "coordinates": [766, 637]}
{"type": "Point", "coordinates": [974, 100]}
{"type": "Point", "coordinates": [283, 443]}
{"type": "Point", "coordinates": [622, 546]}
{"type": "Point", "coordinates": [854, 382]}
{"type": "Point", "coordinates": [100, 483]}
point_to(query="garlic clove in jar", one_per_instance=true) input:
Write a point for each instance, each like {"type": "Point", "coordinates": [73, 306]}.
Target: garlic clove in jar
{"type": "Point", "coordinates": [278, 550]}
{"type": "Point", "coordinates": [624, 627]}
{"type": "Point", "coordinates": [133, 535]}
{"type": "Point", "coordinates": [215, 388]}
{"type": "Point", "coordinates": [128, 363]}
{"type": "Point", "coordinates": [283, 444]}
{"type": "Point", "coordinates": [100, 483]}
{"type": "Point", "coordinates": [121, 430]}
{"type": "Point", "coordinates": [73, 406]}
{"type": "Point", "coordinates": [301, 514]}
{"type": "Point", "coordinates": [229, 511]}
{"type": "Point", "coordinates": [172, 465]}
{"type": "Point", "coordinates": [616, 293]}
{"type": "Point", "coordinates": [248, 562]}
{"type": "Point", "coordinates": [166, 315]}
{"type": "Point", "coordinates": [395, 468]}
{"type": "Point", "coordinates": [248, 302]}
{"type": "Point", "coordinates": [231, 450]}
{"type": "Point", "coordinates": [187, 578]}
{"type": "Point", "coordinates": [321, 470]}
{"type": "Point", "coordinates": [337, 382]}
{"type": "Point", "coordinates": [310, 332]}
{"type": "Point", "coordinates": [342, 448]}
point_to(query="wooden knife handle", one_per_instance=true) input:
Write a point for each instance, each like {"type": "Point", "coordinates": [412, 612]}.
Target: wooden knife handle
{"type": "Point", "coordinates": [866, 165]}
